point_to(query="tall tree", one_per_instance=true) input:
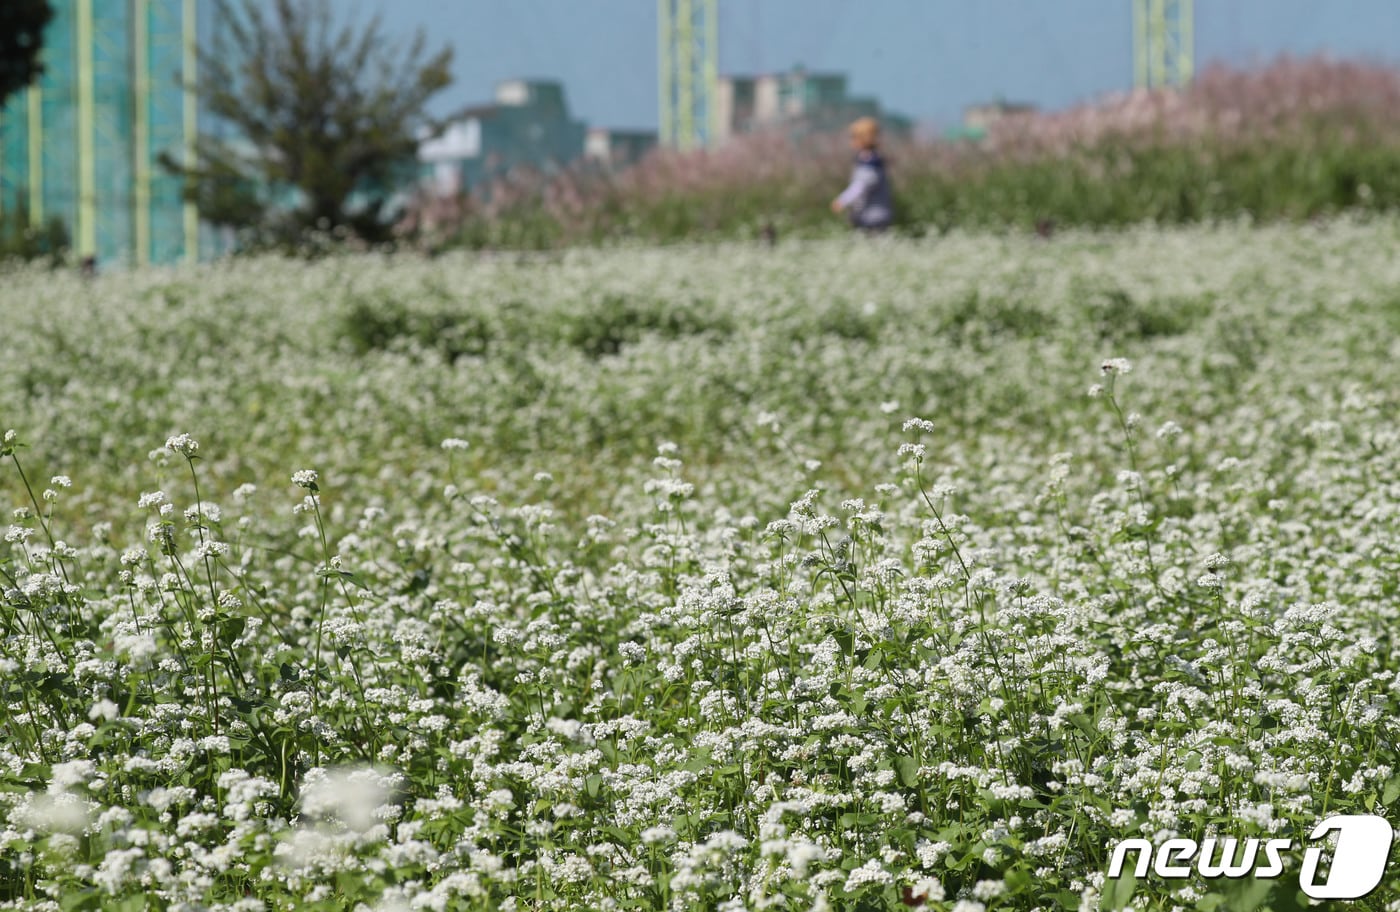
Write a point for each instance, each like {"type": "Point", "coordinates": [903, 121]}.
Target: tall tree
{"type": "Point", "coordinates": [22, 24]}
{"type": "Point", "coordinates": [325, 116]}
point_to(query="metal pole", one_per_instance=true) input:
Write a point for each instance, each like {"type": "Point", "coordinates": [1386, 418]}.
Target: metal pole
{"type": "Point", "coordinates": [191, 124]}
{"type": "Point", "coordinates": [141, 137]}
{"type": "Point", "coordinates": [87, 118]}
{"type": "Point", "coordinates": [711, 70]}
{"type": "Point", "coordinates": [1186, 25]}
{"type": "Point", "coordinates": [1158, 32]}
{"type": "Point", "coordinates": [666, 86]}
{"type": "Point", "coordinates": [685, 72]}
{"type": "Point", "coordinates": [1140, 43]}
{"type": "Point", "coordinates": [35, 129]}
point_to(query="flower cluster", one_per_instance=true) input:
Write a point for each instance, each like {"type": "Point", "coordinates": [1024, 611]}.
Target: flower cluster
{"type": "Point", "coordinates": [723, 631]}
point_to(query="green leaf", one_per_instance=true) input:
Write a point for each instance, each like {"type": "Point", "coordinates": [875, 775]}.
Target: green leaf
{"type": "Point", "coordinates": [231, 629]}
{"type": "Point", "coordinates": [58, 683]}
{"type": "Point", "coordinates": [1290, 898]}
{"type": "Point", "coordinates": [1392, 790]}
{"type": "Point", "coordinates": [1086, 725]}
{"type": "Point", "coordinates": [73, 900]}
{"type": "Point", "coordinates": [1118, 892]}
{"type": "Point", "coordinates": [904, 837]}
{"type": "Point", "coordinates": [1250, 895]}
{"type": "Point", "coordinates": [908, 769]}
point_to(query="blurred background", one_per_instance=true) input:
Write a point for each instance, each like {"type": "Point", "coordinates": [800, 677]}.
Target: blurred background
{"type": "Point", "coordinates": [161, 131]}
{"type": "Point", "coordinates": [926, 59]}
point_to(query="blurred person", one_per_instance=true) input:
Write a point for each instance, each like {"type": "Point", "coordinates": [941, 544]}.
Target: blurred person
{"type": "Point", "coordinates": [868, 202]}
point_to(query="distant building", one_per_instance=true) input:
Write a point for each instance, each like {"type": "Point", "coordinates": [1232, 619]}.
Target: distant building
{"type": "Point", "coordinates": [528, 124]}
{"type": "Point", "coordinates": [735, 106]}
{"type": "Point", "coordinates": [83, 144]}
{"type": "Point", "coordinates": [978, 118]}
{"type": "Point", "coordinates": [617, 148]}
{"type": "Point", "coordinates": [797, 99]}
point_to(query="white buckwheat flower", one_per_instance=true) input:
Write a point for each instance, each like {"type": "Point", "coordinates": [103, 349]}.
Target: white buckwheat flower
{"type": "Point", "coordinates": [151, 499]}
{"type": "Point", "coordinates": [183, 444]}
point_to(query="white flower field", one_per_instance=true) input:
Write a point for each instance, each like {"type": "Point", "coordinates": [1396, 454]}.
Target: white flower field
{"type": "Point", "coordinates": [833, 575]}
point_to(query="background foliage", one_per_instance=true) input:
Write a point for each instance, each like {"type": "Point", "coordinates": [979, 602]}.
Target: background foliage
{"type": "Point", "coordinates": [1294, 140]}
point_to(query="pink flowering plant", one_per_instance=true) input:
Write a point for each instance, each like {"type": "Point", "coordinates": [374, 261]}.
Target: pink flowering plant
{"type": "Point", "coordinates": [1295, 139]}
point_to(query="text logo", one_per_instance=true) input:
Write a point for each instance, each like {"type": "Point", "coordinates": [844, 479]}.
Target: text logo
{"type": "Point", "coordinates": [1358, 862]}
